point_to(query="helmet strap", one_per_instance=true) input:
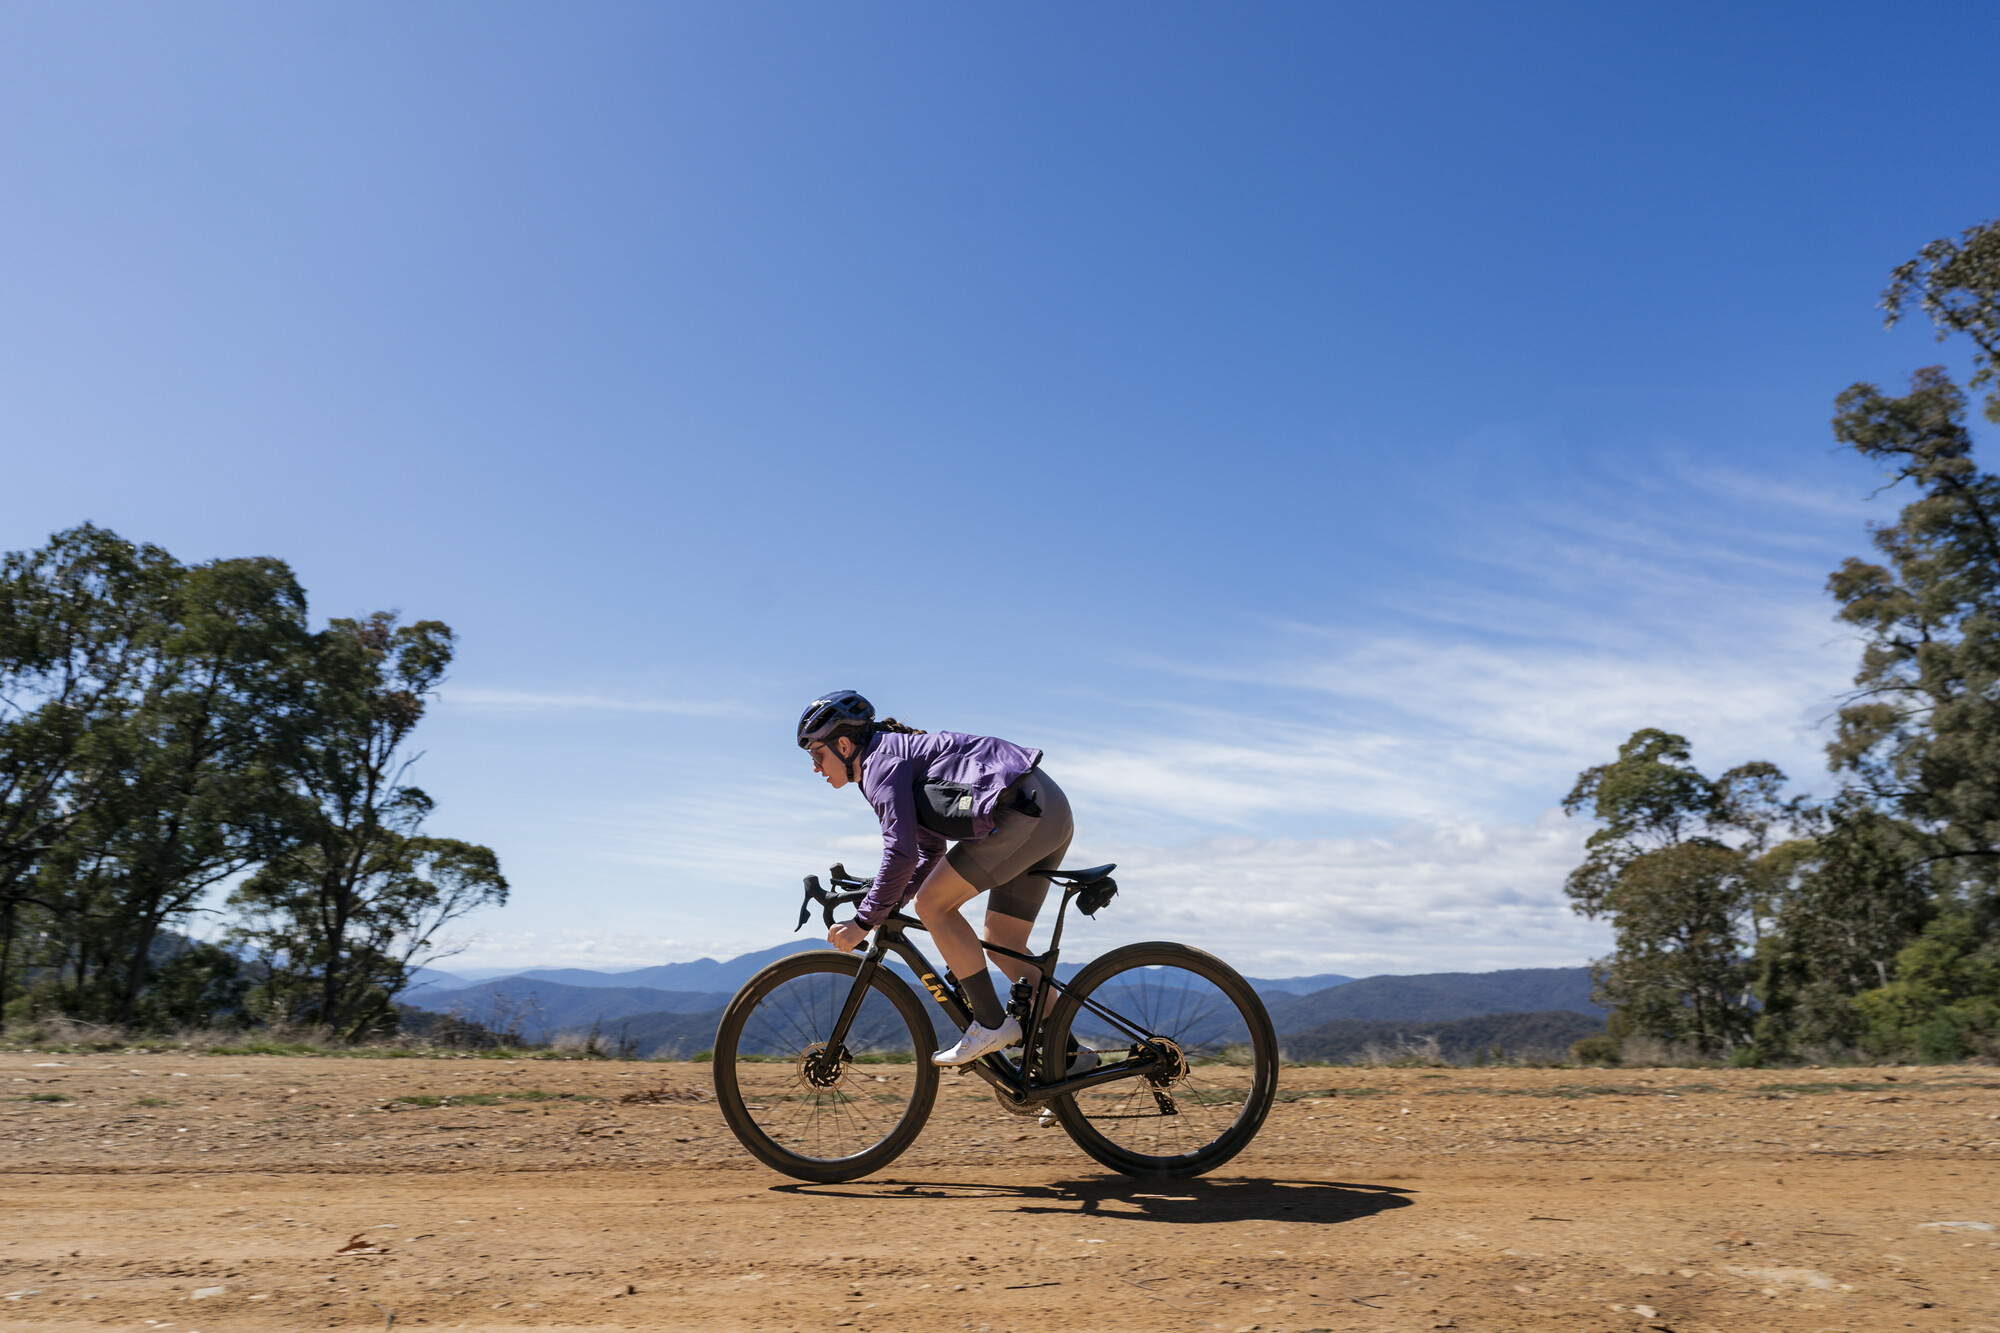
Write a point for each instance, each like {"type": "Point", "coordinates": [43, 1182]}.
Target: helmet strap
{"type": "Point", "coordinates": [852, 766]}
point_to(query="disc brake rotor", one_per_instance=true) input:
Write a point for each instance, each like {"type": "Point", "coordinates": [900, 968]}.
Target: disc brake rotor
{"type": "Point", "coordinates": [819, 1068]}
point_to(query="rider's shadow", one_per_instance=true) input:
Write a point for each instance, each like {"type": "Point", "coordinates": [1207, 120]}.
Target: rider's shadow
{"type": "Point", "coordinates": [1203, 1199]}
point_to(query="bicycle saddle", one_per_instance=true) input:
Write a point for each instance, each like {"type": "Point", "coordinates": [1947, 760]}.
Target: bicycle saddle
{"type": "Point", "coordinates": [1081, 877]}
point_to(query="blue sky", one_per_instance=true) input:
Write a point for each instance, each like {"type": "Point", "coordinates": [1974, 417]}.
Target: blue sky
{"type": "Point", "coordinates": [1323, 429]}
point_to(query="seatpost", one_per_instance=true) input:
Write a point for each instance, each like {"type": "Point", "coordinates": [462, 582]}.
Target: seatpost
{"type": "Point", "coordinates": [1062, 914]}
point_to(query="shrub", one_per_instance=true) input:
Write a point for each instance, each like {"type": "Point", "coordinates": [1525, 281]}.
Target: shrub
{"type": "Point", "coordinates": [1603, 1051]}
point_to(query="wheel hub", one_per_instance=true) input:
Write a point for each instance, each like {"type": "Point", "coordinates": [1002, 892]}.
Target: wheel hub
{"type": "Point", "coordinates": [820, 1067]}
{"type": "Point", "coordinates": [1173, 1061]}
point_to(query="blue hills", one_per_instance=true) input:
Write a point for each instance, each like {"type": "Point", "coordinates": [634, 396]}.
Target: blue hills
{"type": "Point", "coordinates": [671, 1010]}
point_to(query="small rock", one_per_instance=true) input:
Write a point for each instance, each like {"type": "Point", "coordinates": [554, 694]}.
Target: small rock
{"type": "Point", "coordinates": [1645, 1312]}
{"type": "Point", "coordinates": [203, 1293]}
{"type": "Point", "coordinates": [1955, 1226]}
{"type": "Point", "coordinates": [1735, 1238]}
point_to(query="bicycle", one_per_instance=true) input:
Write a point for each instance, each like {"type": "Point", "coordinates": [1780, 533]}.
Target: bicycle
{"type": "Point", "coordinates": [823, 1069]}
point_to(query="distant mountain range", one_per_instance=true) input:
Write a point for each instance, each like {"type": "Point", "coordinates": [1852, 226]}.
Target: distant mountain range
{"type": "Point", "coordinates": [1439, 997]}
{"type": "Point", "coordinates": [706, 974]}
{"type": "Point", "coordinates": [703, 974]}
{"type": "Point", "coordinates": [672, 1010]}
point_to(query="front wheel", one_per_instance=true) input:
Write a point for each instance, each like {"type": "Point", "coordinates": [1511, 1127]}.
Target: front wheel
{"type": "Point", "coordinates": [808, 1106]}
{"type": "Point", "coordinates": [1207, 1100]}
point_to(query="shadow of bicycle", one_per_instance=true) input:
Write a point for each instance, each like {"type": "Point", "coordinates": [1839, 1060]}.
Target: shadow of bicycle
{"type": "Point", "coordinates": [1205, 1199]}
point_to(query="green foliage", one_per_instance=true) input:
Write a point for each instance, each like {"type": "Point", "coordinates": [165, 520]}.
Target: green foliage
{"type": "Point", "coordinates": [79, 633]}
{"type": "Point", "coordinates": [1603, 1051]}
{"type": "Point", "coordinates": [341, 917]}
{"type": "Point", "coordinates": [164, 729]}
{"type": "Point", "coordinates": [1681, 864]}
{"type": "Point", "coordinates": [1957, 284]}
{"type": "Point", "coordinates": [1859, 888]}
{"type": "Point", "coordinates": [1945, 1001]}
{"type": "Point", "coordinates": [1912, 879]}
{"type": "Point", "coordinates": [1878, 926]}
{"type": "Point", "coordinates": [200, 986]}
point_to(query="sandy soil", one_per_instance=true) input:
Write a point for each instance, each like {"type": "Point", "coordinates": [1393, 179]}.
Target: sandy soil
{"type": "Point", "coordinates": [195, 1194]}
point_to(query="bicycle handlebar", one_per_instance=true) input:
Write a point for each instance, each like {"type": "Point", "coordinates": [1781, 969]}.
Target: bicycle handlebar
{"type": "Point", "coordinates": [848, 891]}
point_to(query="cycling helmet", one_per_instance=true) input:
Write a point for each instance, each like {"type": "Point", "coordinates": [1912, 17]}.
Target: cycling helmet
{"type": "Point", "coordinates": [835, 713]}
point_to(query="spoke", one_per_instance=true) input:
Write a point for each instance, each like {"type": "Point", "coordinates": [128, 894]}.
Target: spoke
{"type": "Point", "coordinates": [822, 1123]}
{"type": "Point", "coordinates": [1200, 1019]}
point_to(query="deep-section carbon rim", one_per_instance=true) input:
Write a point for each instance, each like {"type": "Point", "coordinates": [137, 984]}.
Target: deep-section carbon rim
{"type": "Point", "coordinates": [1206, 1100]}
{"type": "Point", "coordinates": [805, 1107]}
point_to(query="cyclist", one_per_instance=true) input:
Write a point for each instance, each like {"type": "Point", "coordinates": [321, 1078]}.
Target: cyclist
{"type": "Point", "coordinates": [989, 799]}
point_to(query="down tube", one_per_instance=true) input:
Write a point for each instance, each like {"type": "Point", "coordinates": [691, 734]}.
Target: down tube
{"type": "Point", "coordinates": [928, 977]}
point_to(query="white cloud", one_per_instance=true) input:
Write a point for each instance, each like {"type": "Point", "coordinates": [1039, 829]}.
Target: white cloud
{"type": "Point", "coordinates": [600, 950]}
{"type": "Point", "coordinates": [1359, 797]}
{"type": "Point", "coordinates": [1439, 897]}
{"type": "Point", "coordinates": [534, 701]}
{"type": "Point", "coordinates": [1440, 727]}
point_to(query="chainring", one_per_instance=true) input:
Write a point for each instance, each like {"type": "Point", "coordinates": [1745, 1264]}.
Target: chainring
{"type": "Point", "coordinates": [1012, 1107]}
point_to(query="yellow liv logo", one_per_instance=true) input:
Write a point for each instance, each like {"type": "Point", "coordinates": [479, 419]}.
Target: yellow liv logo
{"type": "Point", "coordinates": [934, 986]}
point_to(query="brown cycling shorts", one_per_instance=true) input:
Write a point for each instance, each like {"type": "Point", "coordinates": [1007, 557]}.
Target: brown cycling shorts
{"type": "Point", "coordinates": [1004, 861]}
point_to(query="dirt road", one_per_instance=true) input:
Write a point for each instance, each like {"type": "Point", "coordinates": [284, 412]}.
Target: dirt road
{"type": "Point", "coordinates": [197, 1194]}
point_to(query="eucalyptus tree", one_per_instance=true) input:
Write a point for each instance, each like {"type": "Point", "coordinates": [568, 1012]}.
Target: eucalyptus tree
{"type": "Point", "coordinates": [342, 915]}
{"type": "Point", "coordinates": [1683, 866]}
{"type": "Point", "coordinates": [1919, 738]}
{"type": "Point", "coordinates": [1957, 284]}
{"type": "Point", "coordinates": [79, 632]}
{"type": "Point", "coordinates": [197, 793]}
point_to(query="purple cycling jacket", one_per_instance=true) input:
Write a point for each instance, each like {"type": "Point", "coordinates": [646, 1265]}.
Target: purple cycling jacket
{"type": "Point", "coordinates": [891, 765]}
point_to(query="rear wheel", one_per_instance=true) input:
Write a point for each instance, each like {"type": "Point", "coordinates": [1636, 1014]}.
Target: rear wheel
{"type": "Point", "coordinates": [805, 1106]}
{"type": "Point", "coordinates": [1207, 1100]}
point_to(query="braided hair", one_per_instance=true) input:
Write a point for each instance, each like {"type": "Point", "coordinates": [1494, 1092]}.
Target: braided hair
{"type": "Point", "coordinates": [891, 724]}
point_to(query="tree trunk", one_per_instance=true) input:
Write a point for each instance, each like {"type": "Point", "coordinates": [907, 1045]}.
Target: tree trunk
{"type": "Point", "coordinates": [138, 965]}
{"type": "Point", "coordinates": [8, 922]}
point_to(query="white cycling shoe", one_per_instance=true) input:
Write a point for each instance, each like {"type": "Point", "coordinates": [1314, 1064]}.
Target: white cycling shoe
{"type": "Point", "coordinates": [980, 1041]}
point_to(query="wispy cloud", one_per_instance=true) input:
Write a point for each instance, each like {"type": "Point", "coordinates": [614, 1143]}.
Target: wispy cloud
{"type": "Point", "coordinates": [536, 701]}
{"type": "Point", "coordinates": [1437, 897]}
{"type": "Point", "coordinates": [1373, 795]}
{"type": "Point", "coordinates": [1417, 898]}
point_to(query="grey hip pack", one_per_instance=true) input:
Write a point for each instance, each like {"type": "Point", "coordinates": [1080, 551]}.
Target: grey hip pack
{"type": "Point", "coordinates": [946, 808]}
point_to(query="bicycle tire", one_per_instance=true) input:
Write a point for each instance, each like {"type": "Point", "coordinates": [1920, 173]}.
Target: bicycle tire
{"type": "Point", "coordinates": [816, 1118]}
{"type": "Point", "coordinates": [1172, 1126]}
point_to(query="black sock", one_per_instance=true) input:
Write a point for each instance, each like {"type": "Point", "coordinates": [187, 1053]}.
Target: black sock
{"type": "Point", "coordinates": [984, 999]}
